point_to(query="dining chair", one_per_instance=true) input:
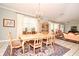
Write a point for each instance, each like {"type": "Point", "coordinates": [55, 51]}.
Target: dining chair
{"type": "Point", "coordinates": [50, 40]}
{"type": "Point", "coordinates": [14, 43]}
{"type": "Point", "coordinates": [36, 43]}
{"type": "Point", "coordinates": [53, 41]}
{"type": "Point", "coordinates": [47, 41]}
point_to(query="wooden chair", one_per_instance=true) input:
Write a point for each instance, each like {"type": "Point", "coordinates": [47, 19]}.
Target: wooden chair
{"type": "Point", "coordinates": [36, 43]}
{"type": "Point", "coordinates": [14, 43]}
{"type": "Point", "coordinates": [50, 40]}
{"type": "Point", "coordinates": [53, 41]}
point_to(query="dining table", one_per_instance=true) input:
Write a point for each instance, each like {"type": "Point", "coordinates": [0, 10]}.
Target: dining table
{"type": "Point", "coordinates": [28, 37]}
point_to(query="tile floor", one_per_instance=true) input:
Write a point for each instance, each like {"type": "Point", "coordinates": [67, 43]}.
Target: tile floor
{"type": "Point", "coordinates": [73, 46]}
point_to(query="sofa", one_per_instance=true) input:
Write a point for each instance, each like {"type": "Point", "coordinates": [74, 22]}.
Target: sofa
{"type": "Point", "coordinates": [74, 37]}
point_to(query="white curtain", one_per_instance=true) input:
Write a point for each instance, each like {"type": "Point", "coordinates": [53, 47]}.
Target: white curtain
{"type": "Point", "coordinates": [29, 23]}
{"type": "Point", "coordinates": [26, 22]}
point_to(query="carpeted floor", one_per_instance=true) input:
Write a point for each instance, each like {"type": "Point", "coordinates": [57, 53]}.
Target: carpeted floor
{"type": "Point", "coordinates": [55, 50]}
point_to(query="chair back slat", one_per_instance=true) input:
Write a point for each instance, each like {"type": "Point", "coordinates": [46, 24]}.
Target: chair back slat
{"type": "Point", "coordinates": [37, 41]}
{"type": "Point", "coordinates": [10, 38]}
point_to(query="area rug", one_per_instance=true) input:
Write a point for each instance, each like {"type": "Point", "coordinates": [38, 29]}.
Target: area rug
{"type": "Point", "coordinates": [56, 50]}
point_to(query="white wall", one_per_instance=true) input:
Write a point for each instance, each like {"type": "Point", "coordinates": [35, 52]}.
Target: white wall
{"type": "Point", "coordinates": [4, 13]}
{"type": "Point", "coordinates": [71, 23]}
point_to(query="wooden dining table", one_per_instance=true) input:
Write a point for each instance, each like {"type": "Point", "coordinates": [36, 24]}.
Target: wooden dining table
{"type": "Point", "coordinates": [29, 37]}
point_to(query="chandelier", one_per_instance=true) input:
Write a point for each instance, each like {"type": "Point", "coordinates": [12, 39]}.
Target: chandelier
{"type": "Point", "coordinates": [39, 16]}
{"type": "Point", "coordinates": [38, 12]}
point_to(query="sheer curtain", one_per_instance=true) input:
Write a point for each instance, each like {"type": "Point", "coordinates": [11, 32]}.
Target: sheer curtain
{"type": "Point", "coordinates": [29, 23]}
{"type": "Point", "coordinates": [26, 22]}
{"type": "Point", "coordinates": [55, 26]}
{"type": "Point", "coordinates": [62, 27]}
{"type": "Point", "coordinates": [51, 26]}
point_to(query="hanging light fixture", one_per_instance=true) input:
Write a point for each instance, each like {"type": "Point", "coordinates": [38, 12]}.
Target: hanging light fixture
{"type": "Point", "coordinates": [38, 14]}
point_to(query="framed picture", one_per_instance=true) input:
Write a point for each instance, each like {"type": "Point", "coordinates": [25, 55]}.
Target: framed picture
{"type": "Point", "coordinates": [8, 23]}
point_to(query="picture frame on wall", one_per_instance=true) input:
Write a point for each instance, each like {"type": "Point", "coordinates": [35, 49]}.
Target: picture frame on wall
{"type": "Point", "coordinates": [8, 23]}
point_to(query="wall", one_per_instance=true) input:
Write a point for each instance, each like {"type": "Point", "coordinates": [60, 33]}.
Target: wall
{"type": "Point", "coordinates": [71, 23]}
{"type": "Point", "coordinates": [4, 13]}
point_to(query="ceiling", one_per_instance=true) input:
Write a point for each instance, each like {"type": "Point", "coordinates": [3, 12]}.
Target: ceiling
{"type": "Point", "coordinates": [58, 12]}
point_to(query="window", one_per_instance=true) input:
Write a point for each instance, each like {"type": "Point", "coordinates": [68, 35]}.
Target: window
{"type": "Point", "coordinates": [25, 22]}
{"type": "Point", "coordinates": [29, 23]}
{"type": "Point", "coordinates": [55, 26]}
{"type": "Point", "coordinates": [62, 27]}
{"type": "Point", "coordinates": [51, 26]}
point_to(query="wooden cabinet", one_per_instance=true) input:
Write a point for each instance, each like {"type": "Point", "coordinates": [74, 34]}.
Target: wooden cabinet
{"type": "Point", "coordinates": [45, 27]}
